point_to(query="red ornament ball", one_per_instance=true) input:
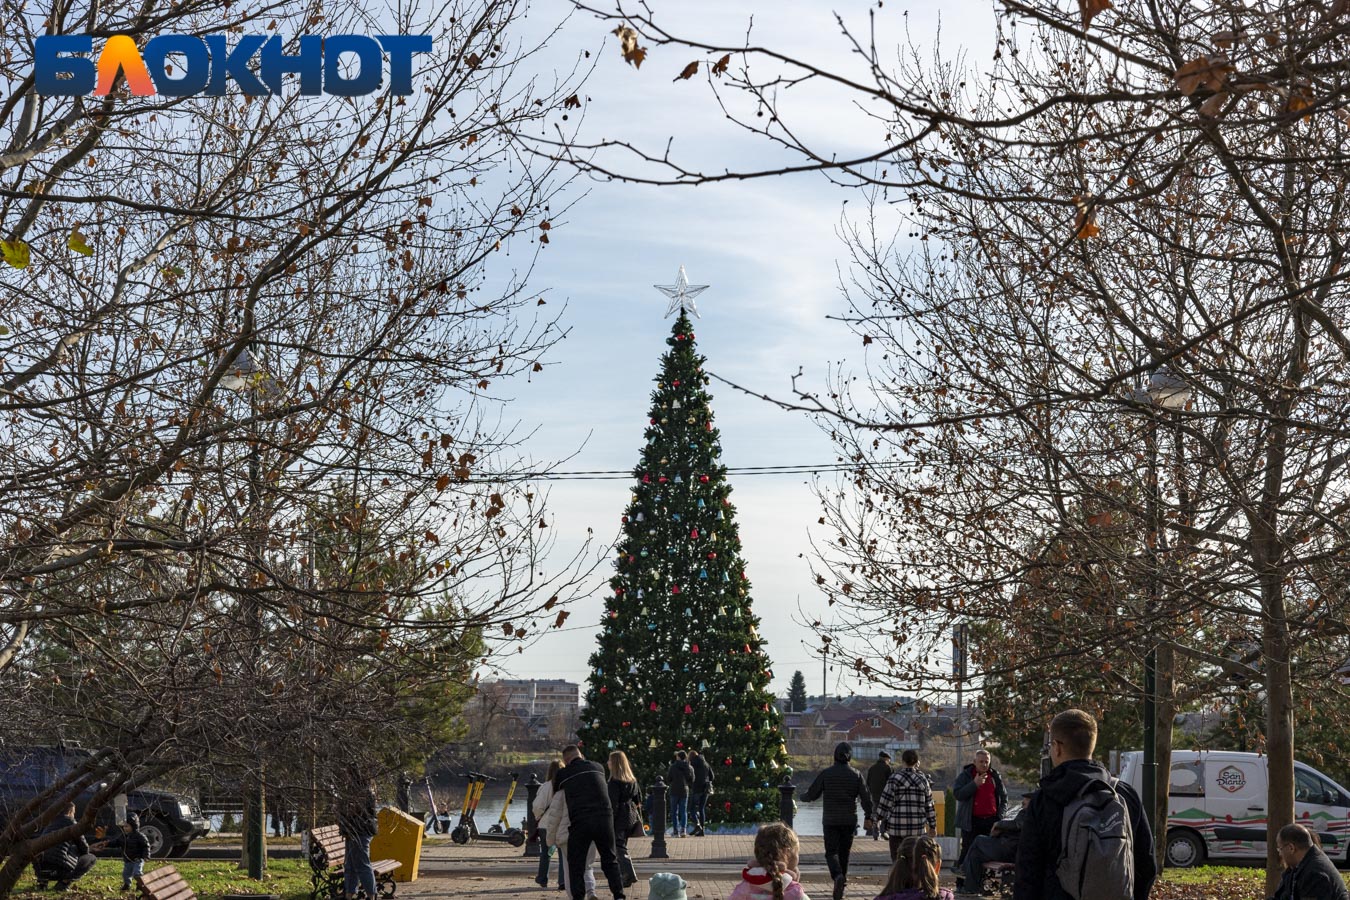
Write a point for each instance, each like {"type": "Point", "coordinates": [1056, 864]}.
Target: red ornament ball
{"type": "Point", "coordinates": [625, 724]}
{"type": "Point", "coordinates": [727, 761]}
{"type": "Point", "coordinates": [679, 744]}
{"type": "Point", "coordinates": [604, 690]}
{"type": "Point", "coordinates": [727, 806]}
{"type": "Point", "coordinates": [703, 478]}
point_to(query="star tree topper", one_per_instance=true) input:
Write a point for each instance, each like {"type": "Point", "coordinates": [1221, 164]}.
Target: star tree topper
{"type": "Point", "coordinates": [682, 293]}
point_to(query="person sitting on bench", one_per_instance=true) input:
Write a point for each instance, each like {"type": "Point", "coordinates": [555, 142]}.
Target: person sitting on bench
{"type": "Point", "coordinates": [1000, 845]}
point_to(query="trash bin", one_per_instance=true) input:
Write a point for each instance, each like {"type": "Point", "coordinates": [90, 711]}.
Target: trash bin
{"type": "Point", "coordinates": [400, 838]}
{"type": "Point", "coordinates": [940, 806]}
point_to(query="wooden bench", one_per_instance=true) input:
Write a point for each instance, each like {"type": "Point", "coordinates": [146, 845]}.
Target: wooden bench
{"type": "Point", "coordinates": [165, 883]}
{"type": "Point", "coordinates": [1002, 875]}
{"type": "Point", "coordinates": [327, 850]}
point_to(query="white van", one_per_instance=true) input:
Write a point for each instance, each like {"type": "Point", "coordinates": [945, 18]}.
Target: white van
{"type": "Point", "coordinates": [1217, 805]}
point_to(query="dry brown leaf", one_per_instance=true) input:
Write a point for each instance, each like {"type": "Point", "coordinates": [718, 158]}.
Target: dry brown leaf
{"type": "Point", "coordinates": [1090, 8]}
{"type": "Point", "coordinates": [1209, 71]}
{"type": "Point", "coordinates": [562, 617]}
{"type": "Point", "coordinates": [687, 72]}
{"type": "Point", "coordinates": [628, 44]}
{"type": "Point", "coordinates": [720, 67]}
{"type": "Point", "coordinates": [1085, 221]}
{"type": "Point", "coordinates": [572, 102]}
{"type": "Point", "coordinates": [1226, 39]}
{"type": "Point", "coordinates": [1214, 105]}
{"type": "Point", "coordinates": [1300, 98]}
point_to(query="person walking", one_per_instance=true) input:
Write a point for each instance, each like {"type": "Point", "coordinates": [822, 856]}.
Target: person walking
{"type": "Point", "coordinates": [1077, 776]}
{"type": "Point", "coordinates": [623, 799]}
{"type": "Point", "coordinates": [554, 822]}
{"type": "Point", "coordinates": [358, 824]}
{"type": "Point", "coordinates": [843, 788]}
{"type": "Point", "coordinates": [877, 776]}
{"type": "Point", "coordinates": [547, 839]}
{"type": "Point", "coordinates": [1308, 874]}
{"type": "Point", "coordinates": [700, 792]}
{"type": "Point", "coordinates": [981, 800]}
{"type": "Point", "coordinates": [591, 819]}
{"type": "Point", "coordinates": [906, 806]}
{"type": "Point", "coordinates": [679, 778]}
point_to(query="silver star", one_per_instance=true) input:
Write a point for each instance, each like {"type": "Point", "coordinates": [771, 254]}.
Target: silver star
{"type": "Point", "coordinates": [682, 293]}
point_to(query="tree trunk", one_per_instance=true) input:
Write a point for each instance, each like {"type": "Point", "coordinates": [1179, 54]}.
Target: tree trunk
{"type": "Point", "coordinates": [1279, 722]}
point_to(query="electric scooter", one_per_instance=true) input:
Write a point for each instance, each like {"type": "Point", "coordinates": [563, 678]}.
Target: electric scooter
{"type": "Point", "coordinates": [503, 824]}
{"type": "Point", "coordinates": [435, 822]}
{"type": "Point", "coordinates": [467, 829]}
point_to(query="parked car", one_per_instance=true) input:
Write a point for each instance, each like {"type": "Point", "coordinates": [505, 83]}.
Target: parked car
{"type": "Point", "coordinates": [1217, 806]}
{"type": "Point", "coordinates": [169, 822]}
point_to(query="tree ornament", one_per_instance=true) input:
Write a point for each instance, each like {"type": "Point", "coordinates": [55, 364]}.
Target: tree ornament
{"type": "Point", "coordinates": [759, 807]}
{"type": "Point", "coordinates": [642, 517]}
{"type": "Point", "coordinates": [727, 761]}
{"type": "Point", "coordinates": [603, 689]}
{"type": "Point", "coordinates": [676, 404]}
{"type": "Point", "coordinates": [701, 504]}
{"type": "Point", "coordinates": [703, 574]}
{"type": "Point", "coordinates": [653, 744]}
{"type": "Point", "coordinates": [750, 764]}
{"type": "Point", "coordinates": [652, 706]}
{"type": "Point", "coordinates": [694, 649]}
{"type": "Point", "coordinates": [665, 667]}
{"type": "Point", "coordinates": [632, 668]}
{"type": "Point", "coordinates": [702, 689]}
{"type": "Point", "coordinates": [688, 611]}
{"type": "Point", "coordinates": [688, 709]}
{"type": "Point", "coordinates": [703, 479]}
{"type": "Point", "coordinates": [727, 806]}
{"type": "Point", "coordinates": [718, 670]}
{"type": "Point", "coordinates": [674, 588]}
{"type": "Point", "coordinates": [694, 534]}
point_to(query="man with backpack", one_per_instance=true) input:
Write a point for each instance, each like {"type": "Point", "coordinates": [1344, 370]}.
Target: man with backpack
{"type": "Point", "coordinates": [1085, 835]}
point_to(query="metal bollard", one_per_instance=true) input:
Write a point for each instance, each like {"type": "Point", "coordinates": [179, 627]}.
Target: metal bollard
{"type": "Point", "coordinates": [785, 802]}
{"type": "Point", "coordinates": [532, 847]}
{"type": "Point", "coordinates": [657, 793]}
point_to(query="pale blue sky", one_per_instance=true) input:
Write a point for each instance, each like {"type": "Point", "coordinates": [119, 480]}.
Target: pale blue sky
{"type": "Point", "coordinates": [770, 251]}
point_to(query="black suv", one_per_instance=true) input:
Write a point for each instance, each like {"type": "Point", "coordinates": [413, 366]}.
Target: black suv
{"type": "Point", "coordinates": [169, 822]}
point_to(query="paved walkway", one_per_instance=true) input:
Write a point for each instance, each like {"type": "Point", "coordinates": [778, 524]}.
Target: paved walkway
{"type": "Point", "coordinates": [711, 865]}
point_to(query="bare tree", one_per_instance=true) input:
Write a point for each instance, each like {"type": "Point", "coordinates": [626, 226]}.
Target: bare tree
{"type": "Point", "coordinates": [255, 460]}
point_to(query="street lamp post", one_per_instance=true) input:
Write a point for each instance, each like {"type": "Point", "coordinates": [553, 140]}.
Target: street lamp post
{"type": "Point", "coordinates": [1166, 391]}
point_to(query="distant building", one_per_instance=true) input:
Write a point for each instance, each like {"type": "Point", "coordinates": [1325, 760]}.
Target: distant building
{"type": "Point", "coordinates": [536, 697]}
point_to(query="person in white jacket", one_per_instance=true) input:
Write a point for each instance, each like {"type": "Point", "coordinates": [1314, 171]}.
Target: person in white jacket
{"type": "Point", "coordinates": [555, 824]}
{"type": "Point", "coordinates": [547, 843]}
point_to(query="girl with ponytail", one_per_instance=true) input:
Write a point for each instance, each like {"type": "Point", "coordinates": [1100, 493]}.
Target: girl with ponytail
{"type": "Point", "coordinates": [914, 874]}
{"type": "Point", "coordinates": [772, 874]}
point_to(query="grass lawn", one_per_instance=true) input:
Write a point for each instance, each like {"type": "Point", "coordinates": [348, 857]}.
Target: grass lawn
{"type": "Point", "coordinates": [287, 878]}
{"type": "Point", "coordinates": [1211, 883]}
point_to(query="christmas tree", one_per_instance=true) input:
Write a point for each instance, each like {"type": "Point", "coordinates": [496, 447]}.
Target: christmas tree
{"type": "Point", "coordinates": [680, 662]}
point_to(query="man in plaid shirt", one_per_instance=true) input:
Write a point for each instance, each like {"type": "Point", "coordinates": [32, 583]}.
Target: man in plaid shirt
{"type": "Point", "coordinates": [906, 805]}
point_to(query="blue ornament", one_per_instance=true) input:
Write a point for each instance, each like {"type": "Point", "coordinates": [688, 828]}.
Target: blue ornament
{"type": "Point", "coordinates": [644, 551]}
{"type": "Point", "coordinates": [675, 516]}
{"type": "Point", "coordinates": [701, 504]}
{"type": "Point", "coordinates": [703, 573]}
{"type": "Point", "coordinates": [725, 577]}
{"type": "Point", "coordinates": [758, 806]}
{"type": "Point", "coordinates": [701, 688]}
{"type": "Point", "coordinates": [651, 626]}
{"type": "Point", "coordinates": [678, 479]}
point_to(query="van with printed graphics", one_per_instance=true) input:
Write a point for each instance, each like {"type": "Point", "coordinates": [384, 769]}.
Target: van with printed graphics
{"type": "Point", "coordinates": [1217, 806]}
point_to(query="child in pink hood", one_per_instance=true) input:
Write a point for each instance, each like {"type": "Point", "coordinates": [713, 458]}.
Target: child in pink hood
{"type": "Point", "coordinates": [773, 872]}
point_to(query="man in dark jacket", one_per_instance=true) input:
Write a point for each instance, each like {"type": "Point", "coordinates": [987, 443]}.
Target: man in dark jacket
{"type": "Point", "coordinates": [981, 800]}
{"type": "Point", "coordinates": [357, 823]}
{"type": "Point", "coordinates": [698, 796]}
{"type": "Point", "coordinates": [877, 776]}
{"type": "Point", "coordinates": [679, 778]}
{"type": "Point", "coordinates": [999, 845]}
{"type": "Point", "coordinates": [843, 788]}
{"type": "Point", "coordinates": [590, 820]}
{"type": "Point", "coordinates": [1073, 737]}
{"type": "Point", "coordinates": [1308, 874]}
{"type": "Point", "coordinates": [67, 861]}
